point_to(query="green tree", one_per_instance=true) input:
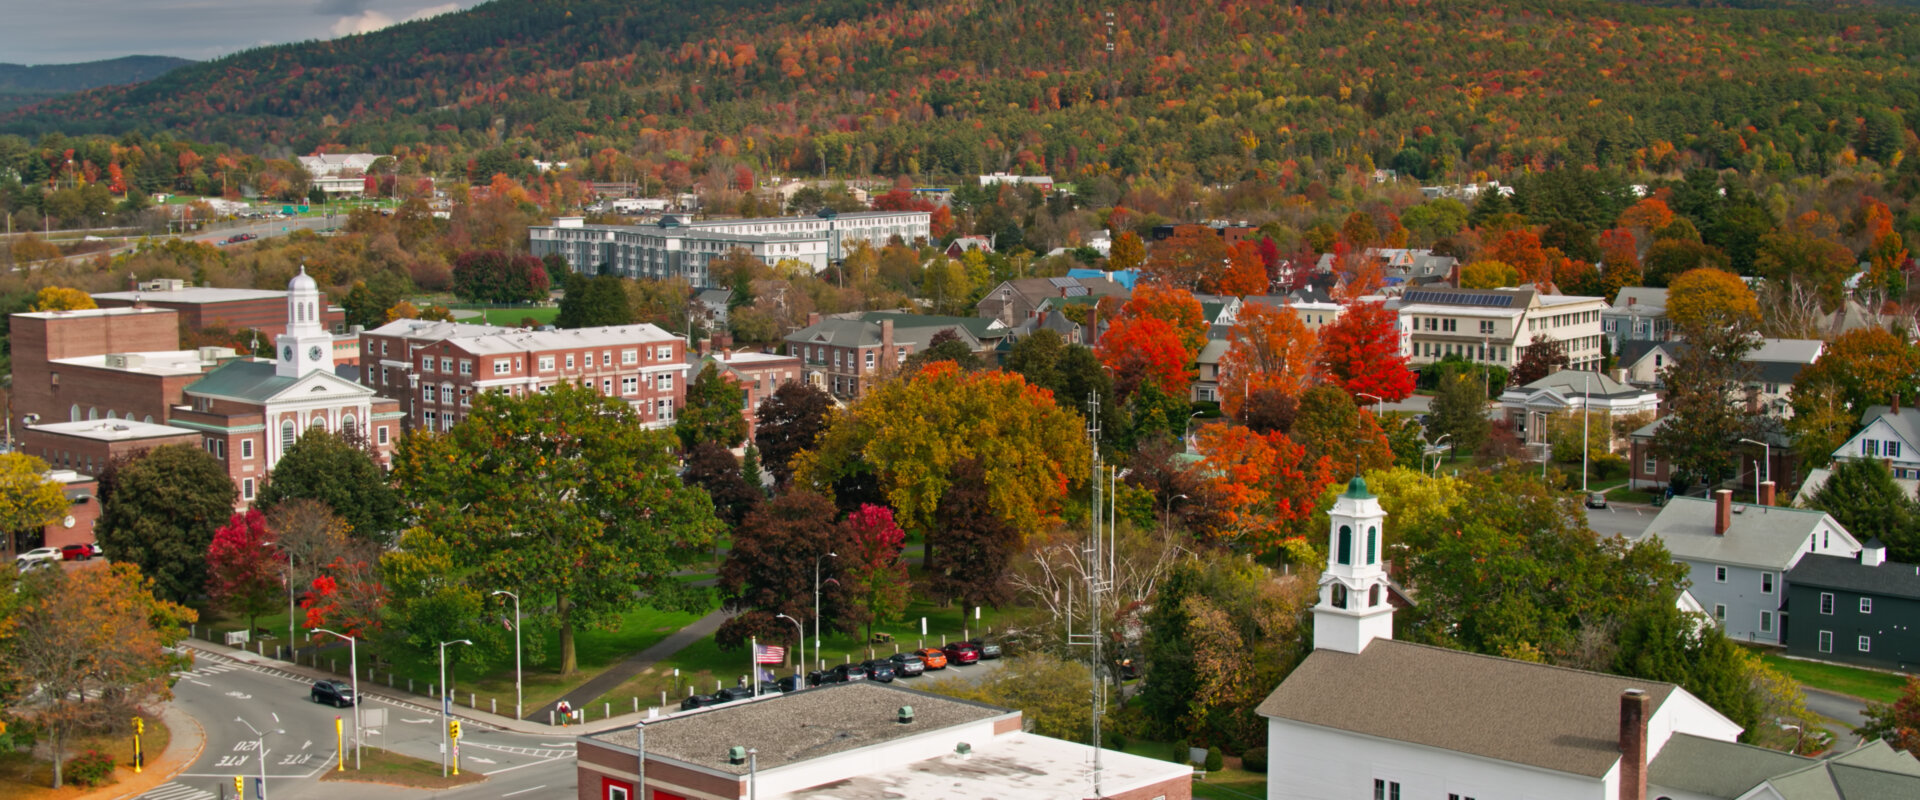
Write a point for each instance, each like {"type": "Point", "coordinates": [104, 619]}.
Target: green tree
{"type": "Point", "coordinates": [593, 301]}
{"type": "Point", "coordinates": [1665, 644]}
{"type": "Point", "coordinates": [944, 346]}
{"type": "Point", "coordinates": [714, 411]}
{"type": "Point", "coordinates": [1896, 723]}
{"type": "Point", "coordinates": [1051, 693]}
{"type": "Point", "coordinates": [1037, 358]}
{"type": "Point", "coordinates": [789, 422]}
{"type": "Point", "coordinates": [339, 471]}
{"type": "Point", "coordinates": [159, 512]}
{"type": "Point", "coordinates": [564, 495]}
{"type": "Point", "coordinates": [1707, 386]}
{"type": "Point", "coordinates": [975, 545]}
{"type": "Point", "coordinates": [1460, 412]}
{"type": "Point", "coordinates": [28, 501]}
{"type": "Point", "coordinates": [1862, 497]}
{"type": "Point", "coordinates": [367, 301]}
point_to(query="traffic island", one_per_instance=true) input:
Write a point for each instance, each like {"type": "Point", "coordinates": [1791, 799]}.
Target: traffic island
{"type": "Point", "coordinates": [393, 769]}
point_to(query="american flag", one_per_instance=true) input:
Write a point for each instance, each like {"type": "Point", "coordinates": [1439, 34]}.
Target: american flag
{"type": "Point", "coordinates": [769, 654]}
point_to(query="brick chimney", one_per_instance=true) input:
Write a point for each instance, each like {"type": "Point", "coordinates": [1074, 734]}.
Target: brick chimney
{"type": "Point", "coordinates": [1896, 405]}
{"type": "Point", "coordinates": [813, 318]}
{"type": "Point", "coordinates": [886, 360]}
{"type": "Point", "coordinates": [705, 347]}
{"type": "Point", "coordinates": [1722, 511]}
{"type": "Point", "coordinates": [1766, 493]}
{"type": "Point", "coordinates": [1634, 708]}
{"type": "Point", "coordinates": [722, 343]}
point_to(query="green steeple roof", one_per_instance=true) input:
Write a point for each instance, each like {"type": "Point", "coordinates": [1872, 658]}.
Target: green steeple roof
{"type": "Point", "coordinates": [1357, 489]}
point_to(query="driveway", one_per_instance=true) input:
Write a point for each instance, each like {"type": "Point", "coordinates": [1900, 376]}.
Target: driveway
{"type": "Point", "coordinates": [1629, 520]}
{"type": "Point", "coordinates": [1849, 712]}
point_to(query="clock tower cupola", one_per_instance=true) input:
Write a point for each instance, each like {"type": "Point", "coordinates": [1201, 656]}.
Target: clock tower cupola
{"type": "Point", "coordinates": [306, 346]}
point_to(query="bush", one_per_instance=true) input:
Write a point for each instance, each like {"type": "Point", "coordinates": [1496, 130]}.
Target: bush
{"type": "Point", "coordinates": [1183, 752]}
{"type": "Point", "coordinates": [1607, 466]}
{"type": "Point", "coordinates": [1215, 761]}
{"type": "Point", "coordinates": [1113, 740]}
{"type": "Point", "coordinates": [91, 768]}
{"type": "Point", "coordinates": [1254, 760]}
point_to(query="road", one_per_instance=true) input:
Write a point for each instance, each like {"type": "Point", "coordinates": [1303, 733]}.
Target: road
{"type": "Point", "coordinates": [299, 744]}
{"type": "Point", "coordinates": [264, 229]}
{"type": "Point", "coordinates": [1630, 520]}
{"type": "Point", "coordinates": [1848, 711]}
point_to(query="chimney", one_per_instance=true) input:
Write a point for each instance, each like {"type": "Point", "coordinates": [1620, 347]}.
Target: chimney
{"type": "Point", "coordinates": [1722, 511]}
{"type": "Point", "coordinates": [1873, 554]}
{"type": "Point", "coordinates": [1896, 404]}
{"type": "Point", "coordinates": [1634, 705]}
{"type": "Point", "coordinates": [1632, 301]}
{"type": "Point", "coordinates": [813, 318]}
{"type": "Point", "coordinates": [1766, 493]}
{"type": "Point", "coordinates": [886, 344]}
{"type": "Point", "coordinates": [722, 343]}
{"type": "Point", "coordinates": [706, 346]}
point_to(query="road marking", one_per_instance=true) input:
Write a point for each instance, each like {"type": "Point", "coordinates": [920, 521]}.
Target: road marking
{"type": "Point", "coordinates": [276, 717]}
{"type": "Point", "coordinates": [240, 695]}
{"type": "Point", "coordinates": [524, 766]}
{"type": "Point", "coordinates": [524, 791]}
{"type": "Point", "coordinates": [208, 685]}
{"type": "Point", "coordinates": [551, 744]}
{"type": "Point", "coordinates": [175, 791]}
{"type": "Point", "coordinates": [307, 745]}
{"type": "Point", "coordinates": [416, 721]}
{"type": "Point", "coordinates": [479, 760]}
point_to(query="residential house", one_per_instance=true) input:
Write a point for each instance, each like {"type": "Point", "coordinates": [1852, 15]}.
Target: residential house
{"type": "Point", "coordinates": [1647, 470]}
{"type": "Point", "coordinates": [1737, 557]}
{"type": "Point", "coordinates": [1886, 434]}
{"type": "Point", "coordinates": [1571, 392]}
{"type": "Point", "coordinates": [1206, 387]}
{"type": "Point", "coordinates": [958, 248]}
{"type": "Point", "coordinates": [1042, 182]}
{"type": "Point", "coordinates": [1495, 326]}
{"type": "Point", "coordinates": [1859, 610]}
{"type": "Point", "coordinates": [1220, 312]}
{"type": "Point", "coordinates": [1017, 302]}
{"type": "Point", "coordinates": [760, 374]}
{"type": "Point", "coordinates": [1637, 314]}
{"type": "Point", "coordinates": [1367, 716]}
{"type": "Point", "coordinates": [1696, 768]}
{"type": "Point", "coordinates": [856, 741]}
{"type": "Point", "coordinates": [1315, 308]}
{"type": "Point", "coordinates": [711, 305]}
{"type": "Point", "coordinates": [1641, 361]}
{"type": "Point", "coordinates": [1776, 365]}
{"type": "Point", "coordinates": [848, 353]}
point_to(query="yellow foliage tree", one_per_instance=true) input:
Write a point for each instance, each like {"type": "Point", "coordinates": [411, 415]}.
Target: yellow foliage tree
{"type": "Point", "coordinates": [1488, 274]}
{"type": "Point", "coordinates": [61, 298]}
{"type": "Point", "coordinates": [1706, 298]}
{"type": "Point", "coordinates": [27, 499]}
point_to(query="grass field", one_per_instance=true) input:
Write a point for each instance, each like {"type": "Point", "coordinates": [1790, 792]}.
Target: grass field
{"type": "Point", "coordinates": [393, 769]}
{"type": "Point", "coordinates": [1879, 687]}
{"type": "Point", "coordinates": [1226, 784]}
{"type": "Point", "coordinates": [24, 778]}
{"type": "Point", "coordinates": [512, 316]}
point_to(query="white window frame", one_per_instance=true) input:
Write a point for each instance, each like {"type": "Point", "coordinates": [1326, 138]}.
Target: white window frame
{"type": "Point", "coordinates": [1766, 583]}
{"type": "Point", "coordinates": [569, 361]}
{"type": "Point", "coordinates": [1719, 612]}
{"type": "Point", "coordinates": [1865, 644]}
{"type": "Point", "coordinates": [466, 366]}
{"type": "Point", "coordinates": [1826, 604]}
{"type": "Point", "coordinates": [446, 364]}
{"type": "Point", "coordinates": [629, 356]}
{"type": "Point", "coordinates": [1719, 574]}
{"type": "Point", "coordinates": [246, 489]}
{"type": "Point", "coordinates": [630, 385]}
{"type": "Point", "coordinates": [382, 437]}
{"type": "Point", "coordinates": [246, 448]}
{"type": "Point", "coordinates": [1766, 621]}
{"type": "Point", "coordinates": [1866, 605]}
{"type": "Point", "coordinates": [502, 366]}
{"type": "Point", "coordinates": [1826, 641]}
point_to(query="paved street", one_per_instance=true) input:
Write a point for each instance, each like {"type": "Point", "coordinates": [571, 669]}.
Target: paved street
{"type": "Point", "coordinates": [1630, 520]}
{"type": "Point", "coordinates": [299, 742]}
{"type": "Point", "coordinates": [1847, 711]}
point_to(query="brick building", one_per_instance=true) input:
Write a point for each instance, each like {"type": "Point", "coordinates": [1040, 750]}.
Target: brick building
{"type": "Point", "coordinates": [90, 445]}
{"type": "Point", "coordinates": [759, 373]}
{"type": "Point", "coordinates": [848, 353]}
{"type": "Point", "coordinates": [857, 740]}
{"type": "Point", "coordinates": [106, 363]}
{"type": "Point", "coordinates": [434, 369]}
{"type": "Point", "coordinates": [201, 307]}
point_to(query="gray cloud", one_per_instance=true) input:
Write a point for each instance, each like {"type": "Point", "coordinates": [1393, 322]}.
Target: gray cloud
{"type": "Point", "coordinates": [72, 31]}
{"type": "Point", "coordinates": [340, 8]}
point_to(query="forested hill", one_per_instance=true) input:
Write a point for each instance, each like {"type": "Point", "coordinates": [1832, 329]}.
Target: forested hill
{"type": "Point", "coordinates": [1222, 89]}
{"type": "Point", "coordinates": [21, 84]}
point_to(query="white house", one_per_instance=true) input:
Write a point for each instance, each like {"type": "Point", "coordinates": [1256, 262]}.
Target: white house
{"type": "Point", "coordinates": [1495, 326]}
{"type": "Point", "coordinates": [1736, 555]}
{"type": "Point", "coordinates": [1569, 391]}
{"type": "Point", "coordinates": [1366, 716]}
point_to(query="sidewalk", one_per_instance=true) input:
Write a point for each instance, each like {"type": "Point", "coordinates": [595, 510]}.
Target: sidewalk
{"type": "Point", "coordinates": [635, 664]}
{"type": "Point", "coordinates": [182, 750]}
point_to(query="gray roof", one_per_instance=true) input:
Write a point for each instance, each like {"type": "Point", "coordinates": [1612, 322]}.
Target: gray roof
{"type": "Point", "coordinates": [1906, 424]}
{"type": "Point", "coordinates": [801, 725]}
{"type": "Point", "coordinates": [1549, 717]}
{"type": "Point", "coordinates": [716, 297]}
{"type": "Point", "coordinates": [1649, 429]}
{"type": "Point", "coordinates": [982, 328]}
{"type": "Point", "coordinates": [1640, 298]}
{"type": "Point", "coordinates": [1870, 772]}
{"type": "Point", "coordinates": [1717, 769]}
{"type": "Point", "coordinates": [1212, 353]}
{"type": "Point", "coordinates": [839, 332]}
{"type": "Point", "coordinates": [1786, 372]}
{"type": "Point", "coordinates": [1576, 383]}
{"type": "Point", "coordinates": [257, 381]}
{"type": "Point", "coordinates": [1766, 537]}
{"type": "Point", "coordinates": [1890, 579]}
{"type": "Point", "coordinates": [1633, 350]}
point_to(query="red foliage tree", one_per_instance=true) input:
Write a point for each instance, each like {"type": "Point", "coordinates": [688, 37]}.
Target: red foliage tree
{"type": "Point", "coordinates": [876, 575]}
{"type": "Point", "coordinates": [243, 566]}
{"type": "Point", "coordinates": [1520, 248]}
{"type": "Point", "coordinates": [347, 597]}
{"type": "Point", "coordinates": [1174, 306]}
{"type": "Point", "coordinates": [1143, 350]}
{"type": "Point", "coordinates": [1246, 272]}
{"type": "Point", "coordinates": [1360, 352]}
{"type": "Point", "coordinates": [1254, 489]}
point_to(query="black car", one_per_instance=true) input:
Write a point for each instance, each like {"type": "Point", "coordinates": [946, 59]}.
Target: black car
{"type": "Point", "coordinates": [791, 683]}
{"type": "Point", "coordinates": [694, 701]}
{"type": "Point", "coordinates": [908, 665]}
{"type": "Point", "coordinates": [333, 693]}
{"type": "Point", "coordinates": [987, 649]}
{"type": "Point", "coordinates": [879, 669]}
{"type": "Point", "coordinates": [847, 672]}
{"type": "Point", "coordinates": [732, 693]}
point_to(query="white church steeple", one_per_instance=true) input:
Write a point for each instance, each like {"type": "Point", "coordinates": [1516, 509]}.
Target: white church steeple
{"type": "Point", "coordinates": [306, 346]}
{"type": "Point", "coordinates": [1353, 608]}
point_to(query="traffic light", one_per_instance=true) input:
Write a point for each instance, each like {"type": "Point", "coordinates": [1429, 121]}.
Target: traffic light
{"type": "Point", "coordinates": [239, 787]}
{"type": "Point", "coordinates": [139, 726]}
{"type": "Point", "coordinates": [453, 728]}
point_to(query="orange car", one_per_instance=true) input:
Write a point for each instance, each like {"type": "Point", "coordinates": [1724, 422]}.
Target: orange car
{"type": "Point", "coordinates": [934, 658]}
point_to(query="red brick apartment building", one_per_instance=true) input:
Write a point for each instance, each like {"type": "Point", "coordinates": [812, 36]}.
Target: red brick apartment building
{"type": "Point", "coordinates": [434, 369]}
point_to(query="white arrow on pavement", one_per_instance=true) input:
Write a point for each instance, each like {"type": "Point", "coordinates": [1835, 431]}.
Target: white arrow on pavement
{"type": "Point", "coordinates": [307, 745]}
{"type": "Point", "coordinates": [478, 760]}
{"type": "Point", "coordinates": [417, 721]}
{"type": "Point", "coordinates": [240, 695]}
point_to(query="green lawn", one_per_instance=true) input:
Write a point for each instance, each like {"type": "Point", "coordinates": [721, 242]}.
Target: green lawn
{"type": "Point", "coordinates": [513, 316]}
{"type": "Point", "coordinates": [1226, 784]}
{"type": "Point", "coordinates": [1866, 684]}
{"type": "Point", "coordinates": [394, 769]}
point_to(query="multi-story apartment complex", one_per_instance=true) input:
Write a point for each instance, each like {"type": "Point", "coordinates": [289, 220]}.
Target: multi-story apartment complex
{"type": "Point", "coordinates": [1495, 326]}
{"type": "Point", "coordinates": [676, 248]}
{"type": "Point", "coordinates": [435, 369]}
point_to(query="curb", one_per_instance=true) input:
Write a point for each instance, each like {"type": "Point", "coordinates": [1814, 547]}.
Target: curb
{"type": "Point", "coordinates": [200, 746]}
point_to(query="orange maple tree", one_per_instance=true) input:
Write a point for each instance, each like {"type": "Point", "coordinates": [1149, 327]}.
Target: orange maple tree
{"type": "Point", "coordinates": [1193, 258]}
{"type": "Point", "coordinates": [1271, 350]}
{"type": "Point", "coordinates": [1174, 306]}
{"type": "Point", "coordinates": [1143, 350]}
{"type": "Point", "coordinates": [1520, 249]}
{"type": "Point", "coordinates": [1246, 272]}
{"type": "Point", "coordinates": [1360, 352]}
{"type": "Point", "coordinates": [1255, 488]}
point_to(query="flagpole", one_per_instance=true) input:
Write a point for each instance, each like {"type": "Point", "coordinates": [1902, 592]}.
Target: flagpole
{"type": "Point", "coordinates": [754, 656]}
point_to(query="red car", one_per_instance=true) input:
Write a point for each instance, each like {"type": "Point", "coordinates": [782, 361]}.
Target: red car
{"type": "Point", "coordinates": [79, 552]}
{"type": "Point", "coordinates": [962, 653]}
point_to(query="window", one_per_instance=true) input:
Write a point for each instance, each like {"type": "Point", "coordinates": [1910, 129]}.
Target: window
{"type": "Point", "coordinates": [869, 359]}
{"type": "Point", "coordinates": [1346, 545]}
{"type": "Point", "coordinates": [546, 363]}
{"type": "Point", "coordinates": [1386, 790]}
{"type": "Point", "coordinates": [1373, 595]}
{"type": "Point", "coordinates": [663, 352]}
{"type": "Point", "coordinates": [1866, 605]}
{"type": "Point", "coordinates": [426, 364]}
{"type": "Point", "coordinates": [1766, 583]}
{"type": "Point", "coordinates": [1893, 449]}
{"type": "Point", "coordinates": [629, 357]}
{"type": "Point", "coordinates": [1373, 545]}
{"type": "Point", "coordinates": [629, 385]}
{"type": "Point", "coordinates": [1826, 603]}
{"type": "Point", "coordinates": [246, 448]}
{"type": "Point", "coordinates": [665, 383]}
{"type": "Point", "coordinates": [1448, 325]}
{"type": "Point", "coordinates": [1719, 612]}
{"type": "Point", "coordinates": [286, 436]}
{"type": "Point", "coordinates": [1866, 644]}
{"type": "Point", "coordinates": [349, 425]}
{"type": "Point", "coordinates": [1826, 641]}
{"type": "Point", "coordinates": [446, 393]}
{"type": "Point", "coordinates": [382, 431]}
{"type": "Point", "coordinates": [1870, 447]}
{"type": "Point", "coordinates": [1650, 465]}
{"type": "Point", "coordinates": [433, 420]}
{"type": "Point", "coordinates": [1339, 599]}
{"type": "Point", "coordinates": [466, 366]}
{"type": "Point", "coordinates": [502, 366]}
{"type": "Point", "coordinates": [1766, 622]}
{"type": "Point", "coordinates": [569, 361]}
{"type": "Point", "coordinates": [246, 488]}
{"type": "Point", "coordinates": [1486, 326]}
{"type": "Point", "coordinates": [446, 364]}
{"type": "Point", "coordinates": [606, 386]}
{"type": "Point", "coordinates": [1719, 574]}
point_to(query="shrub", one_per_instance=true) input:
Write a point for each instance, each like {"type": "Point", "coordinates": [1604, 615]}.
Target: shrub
{"type": "Point", "coordinates": [91, 768]}
{"type": "Point", "coordinates": [1113, 740]}
{"type": "Point", "coordinates": [1183, 752]}
{"type": "Point", "coordinates": [1254, 760]}
{"type": "Point", "coordinates": [1215, 761]}
{"type": "Point", "coordinates": [1609, 465]}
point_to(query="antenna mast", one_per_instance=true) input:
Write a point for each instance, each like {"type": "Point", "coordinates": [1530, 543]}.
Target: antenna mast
{"type": "Point", "coordinates": [1096, 554]}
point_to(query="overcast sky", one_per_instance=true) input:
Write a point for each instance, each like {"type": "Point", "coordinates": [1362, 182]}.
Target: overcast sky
{"type": "Point", "coordinates": [71, 31]}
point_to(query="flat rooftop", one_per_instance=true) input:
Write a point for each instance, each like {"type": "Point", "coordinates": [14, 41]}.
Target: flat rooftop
{"type": "Point", "coordinates": [1015, 766]}
{"type": "Point", "coordinates": [163, 362]}
{"type": "Point", "coordinates": [196, 295]}
{"type": "Point", "coordinates": [112, 430]}
{"type": "Point", "coordinates": [93, 312]}
{"type": "Point", "coordinates": [800, 726]}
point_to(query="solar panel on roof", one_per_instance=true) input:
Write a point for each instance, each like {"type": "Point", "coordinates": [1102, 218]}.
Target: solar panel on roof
{"type": "Point", "coordinates": [1074, 291]}
{"type": "Point", "coordinates": [1063, 282]}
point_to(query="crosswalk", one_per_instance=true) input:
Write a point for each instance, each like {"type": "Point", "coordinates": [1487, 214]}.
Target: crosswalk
{"type": "Point", "coordinates": [208, 668]}
{"type": "Point", "coordinates": [177, 791]}
{"type": "Point", "coordinates": [535, 752]}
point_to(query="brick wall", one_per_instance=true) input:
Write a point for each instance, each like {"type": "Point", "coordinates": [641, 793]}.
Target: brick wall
{"type": "Point", "coordinates": [37, 339]}
{"type": "Point", "coordinates": [268, 315]}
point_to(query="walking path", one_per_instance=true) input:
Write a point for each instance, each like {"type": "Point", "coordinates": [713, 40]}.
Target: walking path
{"type": "Point", "coordinates": [635, 664]}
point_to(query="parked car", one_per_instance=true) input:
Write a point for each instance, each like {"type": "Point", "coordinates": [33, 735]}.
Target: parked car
{"type": "Point", "coordinates": [987, 649]}
{"type": "Point", "coordinates": [333, 693]}
{"type": "Point", "coordinates": [1596, 500]}
{"type": "Point", "coordinates": [879, 669]}
{"type": "Point", "coordinates": [76, 552]}
{"type": "Point", "coordinates": [732, 693]}
{"type": "Point", "coordinates": [847, 672]}
{"type": "Point", "coordinates": [791, 683]}
{"type": "Point", "coordinates": [817, 677]}
{"type": "Point", "coordinates": [694, 701]}
{"type": "Point", "coordinates": [961, 653]}
{"type": "Point", "coordinates": [37, 554]}
{"type": "Point", "coordinates": [1128, 669]}
{"type": "Point", "coordinates": [933, 658]}
{"type": "Point", "coordinates": [907, 665]}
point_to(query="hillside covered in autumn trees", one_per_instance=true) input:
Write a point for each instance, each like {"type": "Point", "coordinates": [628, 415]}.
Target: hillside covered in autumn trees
{"type": "Point", "coordinates": [1436, 89]}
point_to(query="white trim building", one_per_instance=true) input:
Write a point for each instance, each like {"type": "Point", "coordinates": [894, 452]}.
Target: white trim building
{"type": "Point", "coordinates": [675, 248]}
{"type": "Point", "coordinates": [1495, 326]}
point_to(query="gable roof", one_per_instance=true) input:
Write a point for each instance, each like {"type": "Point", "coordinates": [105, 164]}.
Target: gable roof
{"type": "Point", "coordinates": [1717, 769]}
{"type": "Point", "coordinates": [260, 382]}
{"type": "Point", "coordinates": [1633, 351]}
{"type": "Point", "coordinates": [1797, 351]}
{"type": "Point", "coordinates": [1641, 299]}
{"type": "Point", "coordinates": [1215, 349]}
{"type": "Point", "coordinates": [983, 328]}
{"type": "Point", "coordinates": [1766, 537]}
{"type": "Point", "coordinates": [1554, 718]}
{"type": "Point", "coordinates": [1869, 772]}
{"type": "Point", "coordinates": [1890, 579]}
{"type": "Point", "coordinates": [1906, 424]}
{"type": "Point", "coordinates": [1578, 383]}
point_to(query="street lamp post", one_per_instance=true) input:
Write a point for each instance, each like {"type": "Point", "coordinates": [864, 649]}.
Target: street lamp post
{"type": "Point", "coordinates": [353, 663]}
{"type": "Point", "coordinates": [1766, 464]}
{"type": "Point", "coordinates": [1434, 446]}
{"type": "Point", "coordinates": [259, 744]}
{"type": "Point", "coordinates": [1586, 414]}
{"type": "Point", "coordinates": [1189, 436]}
{"type": "Point", "coordinates": [816, 600]}
{"type": "Point", "coordinates": [445, 745]}
{"type": "Point", "coordinates": [800, 658]}
{"type": "Point", "coordinates": [517, 696]}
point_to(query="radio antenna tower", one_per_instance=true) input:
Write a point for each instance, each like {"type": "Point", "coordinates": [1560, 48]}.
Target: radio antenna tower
{"type": "Point", "coordinates": [1096, 554]}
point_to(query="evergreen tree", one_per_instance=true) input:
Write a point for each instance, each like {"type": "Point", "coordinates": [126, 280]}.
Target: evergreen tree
{"type": "Point", "coordinates": [593, 301]}
{"type": "Point", "coordinates": [1460, 412]}
{"type": "Point", "coordinates": [159, 512]}
{"type": "Point", "coordinates": [1862, 497]}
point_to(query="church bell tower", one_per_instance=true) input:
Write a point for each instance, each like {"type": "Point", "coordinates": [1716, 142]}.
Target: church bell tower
{"type": "Point", "coordinates": [1353, 608]}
